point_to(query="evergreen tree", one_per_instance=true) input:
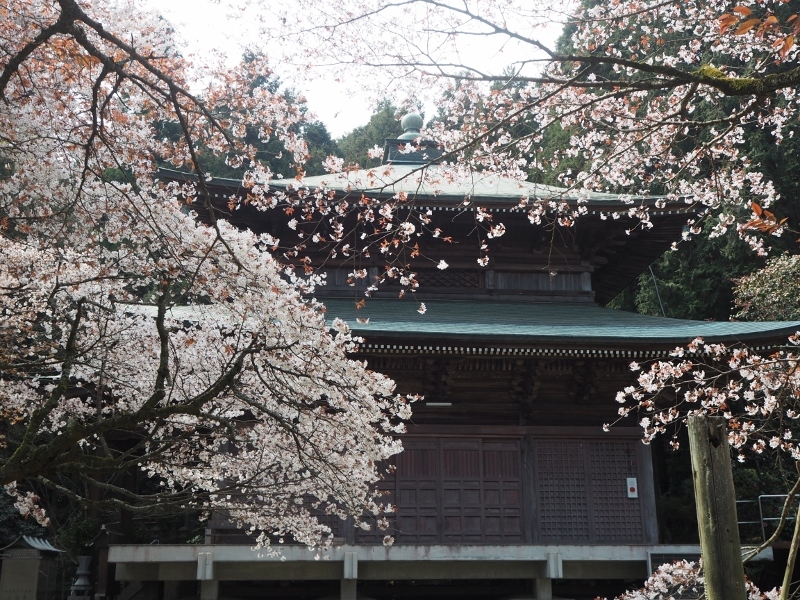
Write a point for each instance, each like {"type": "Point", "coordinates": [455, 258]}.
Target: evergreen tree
{"type": "Point", "coordinates": [384, 123]}
{"type": "Point", "coordinates": [270, 152]}
{"type": "Point", "coordinates": [772, 293]}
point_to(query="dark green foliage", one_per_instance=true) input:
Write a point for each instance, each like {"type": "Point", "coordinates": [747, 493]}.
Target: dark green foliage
{"type": "Point", "coordinates": [320, 146]}
{"type": "Point", "coordinates": [384, 123]}
{"type": "Point", "coordinates": [697, 280]}
{"type": "Point", "coordinates": [554, 140]}
{"type": "Point", "coordinates": [693, 282]}
{"type": "Point", "coordinates": [756, 476]}
{"type": "Point", "coordinates": [676, 509]}
{"type": "Point", "coordinates": [772, 293]}
{"type": "Point", "coordinates": [761, 476]}
{"type": "Point", "coordinates": [626, 299]}
{"type": "Point", "coordinates": [272, 153]}
{"type": "Point", "coordinates": [76, 534]}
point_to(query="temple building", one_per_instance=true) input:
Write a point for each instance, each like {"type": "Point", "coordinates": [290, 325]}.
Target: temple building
{"type": "Point", "coordinates": [508, 486]}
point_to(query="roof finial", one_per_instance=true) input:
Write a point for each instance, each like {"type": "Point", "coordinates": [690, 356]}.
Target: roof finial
{"type": "Point", "coordinates": [410, 148]}
{"type": "Point", "coordinates": [411, 124]}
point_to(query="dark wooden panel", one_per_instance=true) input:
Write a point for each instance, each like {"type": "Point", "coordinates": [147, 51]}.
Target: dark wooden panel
{"type": "Point", "coordinates": [463, 485]}
{"type": "Point", "coordinates": [581, 491]}
{"type": "Point", "coordinates": [417, 492]}
{"type": "Point", "coordinates": [461, 491]}
{"type": "Point", "coordinates": [502, 492]}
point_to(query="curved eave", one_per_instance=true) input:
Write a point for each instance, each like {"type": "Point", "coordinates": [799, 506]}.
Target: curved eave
{"type": "Point", "coordinates": [541, 328]}
{"type": "Point", "coordinates": [32, 543]}
{"type": "Point", "coordinates": [449, 202]}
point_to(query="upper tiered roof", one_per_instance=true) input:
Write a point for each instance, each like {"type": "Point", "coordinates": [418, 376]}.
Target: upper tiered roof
{"type": "Point", "coordinates": [443, 186]}
{"type": "Point", "coordinates": [606, 244]}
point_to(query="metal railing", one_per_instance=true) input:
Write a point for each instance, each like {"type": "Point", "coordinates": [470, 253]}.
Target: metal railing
{"type": "Point", "coordinates": [766, 500]}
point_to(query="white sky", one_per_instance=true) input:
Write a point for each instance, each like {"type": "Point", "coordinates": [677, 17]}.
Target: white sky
{"type": "Point", "coordinates": [204, 25]}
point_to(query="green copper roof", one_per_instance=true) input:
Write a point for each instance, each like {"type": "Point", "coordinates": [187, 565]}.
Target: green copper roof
{"type": "Point", "coordinates": [438, 184]}
{"type": "Point", "coordinates": [525, 323]}
{"type": "Point", "coordinates": [442, 184]}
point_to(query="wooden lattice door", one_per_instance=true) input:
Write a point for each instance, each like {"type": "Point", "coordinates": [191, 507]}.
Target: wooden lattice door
{"type": "Point", "coordinates": [581, 491]}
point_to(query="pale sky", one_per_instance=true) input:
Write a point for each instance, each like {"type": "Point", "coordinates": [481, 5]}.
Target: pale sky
{"type": "Point", "coordinates": [204, 25]}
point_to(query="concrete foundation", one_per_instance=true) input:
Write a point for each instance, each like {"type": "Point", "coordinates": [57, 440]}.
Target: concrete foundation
{"type": "Point", "coordinates": [348, 564]}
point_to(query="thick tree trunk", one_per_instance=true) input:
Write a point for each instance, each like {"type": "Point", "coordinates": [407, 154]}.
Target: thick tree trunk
{"type": "Point", "coordinates": [716, 509]}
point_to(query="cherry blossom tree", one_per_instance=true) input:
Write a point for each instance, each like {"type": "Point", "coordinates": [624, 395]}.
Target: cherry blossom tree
{"type": "Point", "coordinates": [245, 399]}
{"type": "Point", "coordinates": [683, 579]}
{"type": "Point", "coordinates": [137, 339]}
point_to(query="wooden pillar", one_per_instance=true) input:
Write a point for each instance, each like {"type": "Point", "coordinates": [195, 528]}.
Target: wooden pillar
{"type": "Point", "coordinates": [171, 590]}
{"type": "Point", "coordinates": [209, 589]}
{"type": "Point", "coordinates": [544, 588]}
{"type": "Point", "coordinates": [716, 509]}
{"type": "Point", "coordinates": [347, 591]}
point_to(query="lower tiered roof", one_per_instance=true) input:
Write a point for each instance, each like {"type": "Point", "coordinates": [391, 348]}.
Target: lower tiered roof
{"type": "Point", "coordinates": [532, 326]}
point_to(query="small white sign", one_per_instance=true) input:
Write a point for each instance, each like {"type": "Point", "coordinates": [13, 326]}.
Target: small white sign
{"type": "Point", "coordinates": [633, 488]}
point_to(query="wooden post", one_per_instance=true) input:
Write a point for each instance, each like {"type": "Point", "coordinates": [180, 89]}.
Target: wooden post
{"type": "Point", "coordinates": [716, 509]}
{"type": "Point", "coordinates": [789, 572]}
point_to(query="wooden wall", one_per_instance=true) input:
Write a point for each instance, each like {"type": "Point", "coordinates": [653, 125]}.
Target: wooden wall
{"type": "Point", "coordinates": [520, 485]}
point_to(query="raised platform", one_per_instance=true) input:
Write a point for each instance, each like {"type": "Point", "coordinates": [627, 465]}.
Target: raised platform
{"type": "Point", "coordinates": [211, 564]}
{"type": "Point", "coordinates": [154, 562]}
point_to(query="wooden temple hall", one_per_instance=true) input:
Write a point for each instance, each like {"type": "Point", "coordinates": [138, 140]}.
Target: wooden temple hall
{"type": "Point", "coordinates": [508, 487]}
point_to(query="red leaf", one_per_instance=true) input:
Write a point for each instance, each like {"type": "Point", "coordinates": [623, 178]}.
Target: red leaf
{"type": "Point", "coordinates": [747, 26]}
{"type": "Point", "coordinates": [726, 21]}
{"type": "Point", "coordinates": [787, 45]}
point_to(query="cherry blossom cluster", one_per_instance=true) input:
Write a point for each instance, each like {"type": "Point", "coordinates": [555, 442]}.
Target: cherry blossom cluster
{"type": "Point", "coordinates": [376, 226]}
{"type": "Point", "coordinates": [682, 579]}
{"type": "Point", "coordinates": [757, 394]}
